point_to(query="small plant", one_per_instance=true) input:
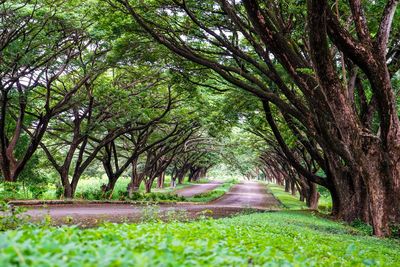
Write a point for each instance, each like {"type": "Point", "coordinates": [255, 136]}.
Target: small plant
{"type": "Point", "coordinates": [205, 214]}
{"type": "Point", "coordinates": [362, 227]}
{"type": "Point", "coordinates": [68, 219]}
{"type": "Point", "coordinates": [395, 229]}
{"type": "Point", "coordinates": [47, 220]}
{"type": "Point", "coordinates": [177, 215]}
{"type": "Point", "coordinates": [10, 216]}
{"type": "Point", "coordinates": [150, 213]}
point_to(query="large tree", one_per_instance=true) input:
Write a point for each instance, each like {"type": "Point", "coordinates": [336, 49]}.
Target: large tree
{"type": "Point", "coordinates": [329, 68]}
{"type": "Point", "coordinates": [38, 49]}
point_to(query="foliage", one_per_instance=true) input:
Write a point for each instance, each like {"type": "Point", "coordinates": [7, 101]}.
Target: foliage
{"type": "Point", "coordinates": [10, 216]}
{"type": "Point", "coordinates": [273, 239]}
{"type": "Point", "coordinates": [362, 226]}
{"type": "Point", "coordinates": [10, 190]}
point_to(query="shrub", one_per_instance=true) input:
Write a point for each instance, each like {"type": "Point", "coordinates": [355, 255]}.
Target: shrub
{"type": "Point", "coordinates": [38, 190]}
{"type": "Point", "coordinates": [91, 194]}
{"type": "Point", "coordinates": [10, 190]}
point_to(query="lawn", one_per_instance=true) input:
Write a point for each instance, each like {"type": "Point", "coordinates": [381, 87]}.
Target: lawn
{"type": "Point", "coordinates": [288, 200]}
{"type": "Point", "coordinates": [286, 238]}
{"type": "Point", "coordinates": [292, 202]}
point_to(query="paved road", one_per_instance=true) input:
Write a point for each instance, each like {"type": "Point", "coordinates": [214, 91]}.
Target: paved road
{"type": "Point", "coordinates": [248, 194]}
{"type": "Point", "coordinates": [196, 189]}
{"type": "Point", "coordinates": [242, 196]}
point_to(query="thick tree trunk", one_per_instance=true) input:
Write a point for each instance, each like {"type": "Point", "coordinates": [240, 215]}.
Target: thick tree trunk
{"type": "Point", "coordinates": [68, 191]}
{"type": "Point", "coordinates": [287, 185]}
{"type": "Point", "coordinates": [148, 185]}
{"type": "Point", "coordinates": [312, 196]}
{"type": "Point", "coordinates": [349, 196]}
{"type": "Point", "coordinates": [381, 174]}
{"type": "Point", "coordinates": [292, 187]}
{"type": "Point", "coordinates": [160, 180]}
{"type": "Point", "coordinates": [109, 188]}
{"type": "Point", "coordinates": [181, 177]}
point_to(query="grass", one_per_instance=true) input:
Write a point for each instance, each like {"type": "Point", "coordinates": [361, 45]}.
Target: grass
{"type": "Point", "coordinates": [288, 200]}
{"type": "Point", "coordinates": [285, 238]}
{"type": "Point", "coordinates": [292, 202]}
{"type": "Point", "coordinates": [213, 194]}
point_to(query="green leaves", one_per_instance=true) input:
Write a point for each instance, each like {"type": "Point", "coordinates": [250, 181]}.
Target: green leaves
{"type": "Point", "coordinates": [273, 239]}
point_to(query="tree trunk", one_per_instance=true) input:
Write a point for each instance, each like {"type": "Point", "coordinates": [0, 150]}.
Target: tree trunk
{"type": "Point", "coordinates": [381, 174]}
{"type": "Point", "coordinates": [109, 188]}
{"type": "Point", "coordinates": [68, 189]}
{"type": "Point", "coordinates": [293, 187]}
{"type": "Point", "coordinates": [160, 180]}
{"type": "Point", "coordinates": [287, 185]}
{"type": "Point", "coordinates": [312, 196]}
{"type": "Point", "coordinates": [349, 196]}
{"type": "Point", "coordinates": [68, 192]}
{"type": "Point", "coordinates": [181, 177]}
{"type": "Point", "coordinates": [148, 185]}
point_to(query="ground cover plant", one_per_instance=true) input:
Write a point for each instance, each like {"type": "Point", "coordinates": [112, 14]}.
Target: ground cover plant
{"type": "Point", "coordinates": [273, 239]}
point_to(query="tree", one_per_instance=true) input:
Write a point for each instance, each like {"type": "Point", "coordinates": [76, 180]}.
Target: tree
{"type": "Point", "coordinates": [37, 48]}
{"type": "Point", "coordinates": [305, 61]}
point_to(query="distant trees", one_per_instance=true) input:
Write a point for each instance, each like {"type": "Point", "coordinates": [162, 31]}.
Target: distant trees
{"type": "Point", "coordinates": [70, 94]}
{"type": "Point", "coordinates": [38, 51]}
{"type": "Point", "coordinates": [328, 68]}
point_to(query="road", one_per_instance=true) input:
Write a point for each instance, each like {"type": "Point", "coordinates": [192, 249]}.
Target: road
{"type": "Point", "coordinates": [248, 194]}
{"type": "Point", "coordinates": [242, 196]}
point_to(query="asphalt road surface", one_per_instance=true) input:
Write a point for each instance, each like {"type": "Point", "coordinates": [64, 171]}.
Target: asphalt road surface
{"type": "Point", "coordinates": [242, 196]}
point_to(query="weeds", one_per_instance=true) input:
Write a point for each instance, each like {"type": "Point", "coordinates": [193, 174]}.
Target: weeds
{"type": "Point", "coordinates": [10, 216]}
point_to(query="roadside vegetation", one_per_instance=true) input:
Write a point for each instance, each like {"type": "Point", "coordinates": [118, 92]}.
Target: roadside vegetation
{"type": "Point", "coordinates": [292, 201]}
{"type": "Point", "coordinates": [275, 238]}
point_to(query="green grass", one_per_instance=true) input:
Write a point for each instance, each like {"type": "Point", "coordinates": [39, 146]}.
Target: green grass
{"type": "Point", "coordinates": [292, 202]}
{"type": "Point", "coordinates": [288, 200]}
{"type": "Point", "coordinates": [87, 186]}
{"type": "Point", "coordinates": [270, 239]}
{"type": "Point", "coordinates": [213, 194]}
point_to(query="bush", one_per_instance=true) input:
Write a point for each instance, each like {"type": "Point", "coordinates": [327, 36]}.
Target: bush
{"type": "Point", "coordinates": [59, 191]}
{"type": "Point", "coordinates": [91, 194]}
{"type": "Point", "coordinates": [10, 190]}
{"type": "Point", "coordinates": [395, 228]}
{"type": "Point", "coordinates": [38, 190]}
